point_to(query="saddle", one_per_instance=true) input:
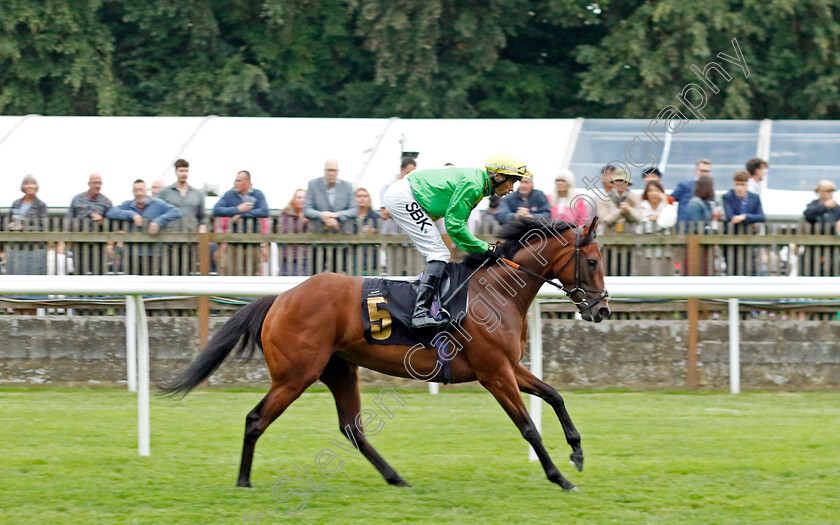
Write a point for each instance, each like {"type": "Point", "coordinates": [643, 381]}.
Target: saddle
{"type": "Point", "coordinates": [387, 306]}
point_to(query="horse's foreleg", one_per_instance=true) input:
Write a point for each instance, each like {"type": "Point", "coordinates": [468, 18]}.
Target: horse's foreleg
{"type": "Point", "coordinates": [342, 378]}
{"type": "Point", "coordinates": [502, 384]}
{"type": "Point", "coordinates": [530, 384]}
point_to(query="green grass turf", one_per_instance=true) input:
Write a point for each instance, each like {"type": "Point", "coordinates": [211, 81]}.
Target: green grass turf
{"type": "Point", "coordinates": [69, 456]}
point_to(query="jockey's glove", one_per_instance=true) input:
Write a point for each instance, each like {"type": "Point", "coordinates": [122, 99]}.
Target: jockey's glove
{"type": "Point", "coordinates": [492, 255]}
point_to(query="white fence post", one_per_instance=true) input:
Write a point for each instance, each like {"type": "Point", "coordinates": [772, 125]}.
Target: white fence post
{"type": "Point", "coordinates": [535, 329]}
{"type": "Point", "coordinates": [131, 343]}
{"type": "Point", "coordinates": [143, 433]}
{"type": "Point", "coordinates": [734, 347]}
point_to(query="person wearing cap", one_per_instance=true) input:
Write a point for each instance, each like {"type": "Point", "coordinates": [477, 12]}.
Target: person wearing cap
{"type": "Point", "coordinates": [524, 202]}
{"type": "Point", "coordinates": [824, 209]}
{"type": "Point", "coordinates": [416, 201]}
{"type": "Point", "coordinates": [621, 206]}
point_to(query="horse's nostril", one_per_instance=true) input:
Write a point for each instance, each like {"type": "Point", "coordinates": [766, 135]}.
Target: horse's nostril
{"type": "Point", "coordinates": [604, 312]}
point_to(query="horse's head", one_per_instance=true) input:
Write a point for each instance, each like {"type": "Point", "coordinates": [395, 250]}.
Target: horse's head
{"type": "Point", "coordinates": [581, 270]}
{"type": "Point", "coordinates": [559, 250]}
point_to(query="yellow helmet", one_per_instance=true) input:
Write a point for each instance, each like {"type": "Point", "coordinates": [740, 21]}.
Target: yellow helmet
{"type": "Point", "coordinates": [506, 164]}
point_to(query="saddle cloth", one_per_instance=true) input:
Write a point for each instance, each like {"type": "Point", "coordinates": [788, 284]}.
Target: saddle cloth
{"type": "Point", "coordinates": [387, 307]}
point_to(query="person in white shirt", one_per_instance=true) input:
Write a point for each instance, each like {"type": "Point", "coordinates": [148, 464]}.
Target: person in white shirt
{"type": "Point", "coordinates": [657, 213]}
{"type": "Point", "coordinates": [758, 170]}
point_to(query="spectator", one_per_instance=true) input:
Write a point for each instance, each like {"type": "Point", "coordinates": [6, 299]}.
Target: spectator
{"type": "Point", "coordinates": [620, 206]}
{"type": "Point", "coordinates": [824, 210]}
{"type": "Point", "coordinates": [653, 174]}
{"type": "Point", "coordinates": [330, 205]}
{"type": "Point", "coordinates": [699, 207]}
{"type": "Point", "coordinates": [293, 221]}
{"type": "Point", "coordinates": [757, 169]}
{"type": "Point", "coordinates": [94, 206]}
{"type": "Point", "coordinates": [291, 217]}
{"type": "Point", "coordinates": [91, 204]}
{"type": "Point", "coordinates": [565, 196]}
{"type": "Point", "coordinates": [367, 220]}
{"type": "Point", "coordinates": [144, 208]}
{"type": "Point", "coordinates": [564, 192]}
{"type": "Point", "coordinates": [742, 208]}
{"type": "Point", "coordinates": [657, 212]}
{"type": "Point", "coordinates": [141, 258]}
{"type": "Point", "coordinates": [157, 185]}
{"type": "Point", "coordinates": [740, 205]}
{"type": "Point", "coordinates": [242, 202]}
{"type": "Point", "coordinates": [407, 165]}
{"type": "Point", "coordinates": [28, 212]}
{"type": "Point", "coordinates": [189, 200]}
{"type": "Point", "coordinates": [524, 202]}
{"type": "Point", "coordinates": [684, 191]}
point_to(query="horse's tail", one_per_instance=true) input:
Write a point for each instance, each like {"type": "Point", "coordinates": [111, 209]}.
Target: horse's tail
{"type": "Point", "coordinates": [243, 332]}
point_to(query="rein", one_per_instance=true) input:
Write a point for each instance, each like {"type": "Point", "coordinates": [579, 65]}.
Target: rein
{"type": "Point", "coordinates": [603, 294]}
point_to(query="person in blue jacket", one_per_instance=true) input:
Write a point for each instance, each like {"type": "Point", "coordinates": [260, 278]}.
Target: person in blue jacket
{"type": "Point", "coordinates": [144, 212]}
{"type": "Point", "coordinates": [243, 201]}
{"type": "Point", "coordinates": [143, 208]}
{"type": "Point", "coordinates": [524, 202]}
{"type": "Point", "coordinates": [685, 189]}
{"type": "Point", "coordinates": [740, 205]}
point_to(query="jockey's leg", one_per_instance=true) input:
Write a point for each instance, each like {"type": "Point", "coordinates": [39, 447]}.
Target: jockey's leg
{"type": "Point", "coordinates": [421, 317]}
{"type": "Point", "coordinates": [417, 224]}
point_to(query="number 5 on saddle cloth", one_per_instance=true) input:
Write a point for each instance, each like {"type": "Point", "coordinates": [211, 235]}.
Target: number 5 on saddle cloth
{"type": "Point", "coordinates": [387, 307]}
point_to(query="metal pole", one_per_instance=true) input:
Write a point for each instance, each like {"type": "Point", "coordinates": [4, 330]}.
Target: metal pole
{"type": "Point", "coordinates": [131, 343]}
{"type": "Point", "coordinates": [734, 347]}
{"type": "Point", "coordinates": [535, 328]}
{"type": "Point", "coordinates": [143, 438]}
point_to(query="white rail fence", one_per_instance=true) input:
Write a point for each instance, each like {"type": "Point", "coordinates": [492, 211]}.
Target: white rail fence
{"type": "Point", "coordinates": [137, 336]}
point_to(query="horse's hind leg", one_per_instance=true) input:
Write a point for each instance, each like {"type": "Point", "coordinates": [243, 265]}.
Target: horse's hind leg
{"type": "Point", "coordinates": [502, 384]}
{"type": "Point", "coordinates": [342, 378]}
{"type": "Point", "coordinates": [258, 419]}
{"type": "Point", "coordinates": [530, 384]}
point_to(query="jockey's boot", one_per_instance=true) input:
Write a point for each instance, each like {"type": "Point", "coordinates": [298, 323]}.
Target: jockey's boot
{"type": "Point", "coordinates": [421, 317]}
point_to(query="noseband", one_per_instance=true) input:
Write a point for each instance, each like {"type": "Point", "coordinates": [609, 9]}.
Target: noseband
{"type": "Point", "coordinates": [578, 289]}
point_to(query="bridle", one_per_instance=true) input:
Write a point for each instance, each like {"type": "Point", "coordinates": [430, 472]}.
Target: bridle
{"type": "Point", "coordinates": [578, 289]}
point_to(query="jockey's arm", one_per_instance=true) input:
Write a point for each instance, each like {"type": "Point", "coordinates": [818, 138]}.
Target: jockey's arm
{"type": "Point", "coordinates": [463, 200]}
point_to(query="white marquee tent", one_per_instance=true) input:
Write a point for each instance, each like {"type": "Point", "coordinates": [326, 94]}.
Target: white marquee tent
{"type": "Point", "coordinates": [285, 153]}
{"type": "Point", "coordinates": [282, 154]}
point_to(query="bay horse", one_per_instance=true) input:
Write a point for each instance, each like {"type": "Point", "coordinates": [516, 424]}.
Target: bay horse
{"type": "Point", "coordinates": [315, 332]}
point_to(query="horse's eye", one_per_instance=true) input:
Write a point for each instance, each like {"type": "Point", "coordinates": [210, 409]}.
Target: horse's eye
{"type": "Point", "coordinates": [593, 263]}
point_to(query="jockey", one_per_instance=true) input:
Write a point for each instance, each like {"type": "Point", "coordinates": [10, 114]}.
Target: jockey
{"type": "Point", "coordinates": [424, 196]}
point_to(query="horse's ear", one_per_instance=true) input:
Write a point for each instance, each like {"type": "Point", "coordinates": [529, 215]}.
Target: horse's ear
{"type": "Point", "coordinates": [593, 226]}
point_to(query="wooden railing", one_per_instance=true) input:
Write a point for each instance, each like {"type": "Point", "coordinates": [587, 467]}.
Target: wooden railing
{"type": "Point", "coordinates": [87, 248]}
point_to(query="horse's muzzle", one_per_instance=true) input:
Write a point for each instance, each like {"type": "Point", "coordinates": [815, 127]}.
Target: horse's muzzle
{"type": "Point", "coordinates": [596, 316]}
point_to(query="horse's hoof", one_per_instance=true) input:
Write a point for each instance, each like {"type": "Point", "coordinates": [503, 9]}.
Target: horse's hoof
{"type": "Point", "coordinates": [576, 459]}
{"type": "Point", "coordinates": [246, 484]}
{"type": "Point", "coordinates": [571, 489]}
{"type": "Point", "coordinates": [399, 482]}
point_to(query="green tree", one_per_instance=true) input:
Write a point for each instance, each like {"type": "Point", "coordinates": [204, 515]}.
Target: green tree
{"type": "Point", "coordinates": [55, 59]}
{"type": "Point", "coordinates": [791, 49]}
{"type": "Point", "coordinates": [471, 58]}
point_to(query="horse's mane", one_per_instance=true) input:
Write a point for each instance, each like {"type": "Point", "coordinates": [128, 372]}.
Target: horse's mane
{"type": "Point", "coordinates": [513, 232]}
